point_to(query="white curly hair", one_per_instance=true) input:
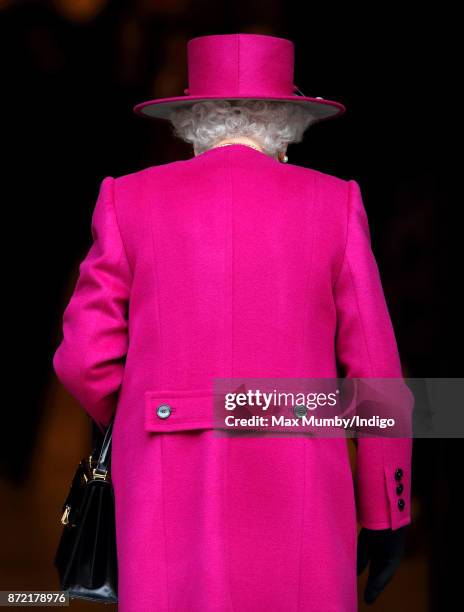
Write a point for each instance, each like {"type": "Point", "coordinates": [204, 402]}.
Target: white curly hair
{"type": "Point", "coordinates": [273, 124]}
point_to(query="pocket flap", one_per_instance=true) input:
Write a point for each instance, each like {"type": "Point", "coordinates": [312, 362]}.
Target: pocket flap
{"type": "Point", "coordinates": [167, 411]}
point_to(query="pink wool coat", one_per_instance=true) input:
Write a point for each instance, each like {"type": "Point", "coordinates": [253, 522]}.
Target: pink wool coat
{"type": "Point", "coordinates": [231, 264]}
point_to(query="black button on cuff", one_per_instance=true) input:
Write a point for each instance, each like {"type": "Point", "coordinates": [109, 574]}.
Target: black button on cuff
{"type": "Point", "coordinates": [398, 474]}
{"type": "Point", "coordinates": [401, 503]}
{"type": "Point", "coordinates": [399, 489]}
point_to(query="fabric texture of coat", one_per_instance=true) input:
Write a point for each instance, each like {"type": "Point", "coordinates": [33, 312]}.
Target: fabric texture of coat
{"type": "Point", "coordinates": [231, 264]}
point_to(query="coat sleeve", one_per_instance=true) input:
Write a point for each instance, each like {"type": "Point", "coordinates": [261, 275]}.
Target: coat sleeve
{"type": "Point", "coordinates": [366, 348]}
{"type": "Point", "coordinates": [89, 361]}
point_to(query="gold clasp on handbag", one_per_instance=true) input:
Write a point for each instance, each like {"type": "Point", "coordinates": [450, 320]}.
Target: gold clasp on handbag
{"type": "Point", "coordinates": [95, 474]}
{"type": "Point", "coordinates": [99, 475]}
{"type": "Point", "coordinates": [65, 515]}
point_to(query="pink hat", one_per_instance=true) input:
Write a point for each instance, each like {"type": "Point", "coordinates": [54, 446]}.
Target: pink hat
{"type": "Point", "coordinates": [240, 66]}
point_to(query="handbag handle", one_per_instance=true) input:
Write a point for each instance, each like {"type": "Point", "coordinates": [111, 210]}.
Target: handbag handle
{"type": "Point", "coordinates": [100, 471]}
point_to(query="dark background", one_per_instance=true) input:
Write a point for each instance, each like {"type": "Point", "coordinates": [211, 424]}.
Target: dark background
{"type": "Point", "coordinates": [71, 72]}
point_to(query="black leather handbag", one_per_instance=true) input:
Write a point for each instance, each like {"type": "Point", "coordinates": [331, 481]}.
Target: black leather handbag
{"type": "Point", "coordinates": [86, 555]}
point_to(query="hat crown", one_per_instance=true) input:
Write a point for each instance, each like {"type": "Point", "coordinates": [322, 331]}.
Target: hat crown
{"type": "Point", "coordinates": [240, 65]}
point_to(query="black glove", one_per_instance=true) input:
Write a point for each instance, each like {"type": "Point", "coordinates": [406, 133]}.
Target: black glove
{"type": "Point", "coordinates": [383, 548]}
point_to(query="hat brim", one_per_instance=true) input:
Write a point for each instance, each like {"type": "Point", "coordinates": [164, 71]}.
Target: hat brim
{"type": "Point", "coordinates": [161, 108]}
